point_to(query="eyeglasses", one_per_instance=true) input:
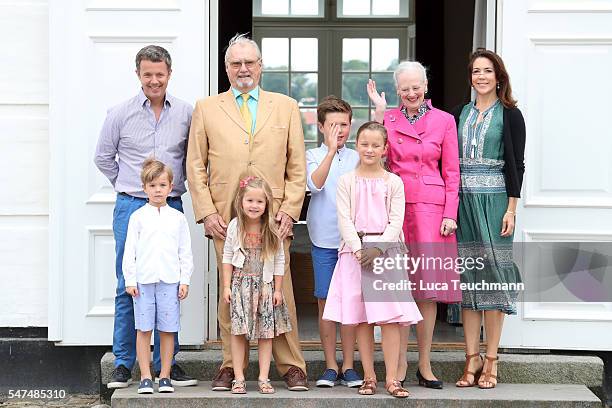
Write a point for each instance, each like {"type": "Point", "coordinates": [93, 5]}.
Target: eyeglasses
{"type": "Point", "coordinates": [249, 64]}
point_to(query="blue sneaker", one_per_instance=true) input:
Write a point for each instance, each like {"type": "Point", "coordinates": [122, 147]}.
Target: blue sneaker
{"type": "Point", "coordinates": [351, 378]}
{"type": "Point", "coordinates": [328, 379]}
{"type": "Point", "coordinates": [165, 385]}
{"type": "Point", "coordinates": [146, 386]}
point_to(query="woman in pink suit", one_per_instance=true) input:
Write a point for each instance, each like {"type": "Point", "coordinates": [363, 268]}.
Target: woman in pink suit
{"type": "Point", "coordinates": [423, 152]}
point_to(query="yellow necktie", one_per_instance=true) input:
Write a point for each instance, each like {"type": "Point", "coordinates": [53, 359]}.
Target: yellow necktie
{"type": "Point", "coordinates": [246, 113]}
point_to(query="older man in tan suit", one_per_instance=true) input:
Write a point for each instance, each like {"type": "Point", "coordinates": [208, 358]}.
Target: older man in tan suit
{"type": "Point", "coordinates": [248, 130]}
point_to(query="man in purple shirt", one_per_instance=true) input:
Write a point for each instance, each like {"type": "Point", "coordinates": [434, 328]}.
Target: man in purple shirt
{"type": "Point", "coordinates": [151, 124]}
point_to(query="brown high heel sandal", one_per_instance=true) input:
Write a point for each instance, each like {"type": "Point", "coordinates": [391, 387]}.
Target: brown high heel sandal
{"type": "Point", "coordinates": [487, 376]}
{"type": "Point", "coordinates": [398, 391]}
{"type": "Point", "coordinates": [368, 387]}
{"type": "Point", "coordinates": [466, 372]}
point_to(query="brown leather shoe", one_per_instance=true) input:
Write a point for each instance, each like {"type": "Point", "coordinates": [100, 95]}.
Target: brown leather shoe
{"type": "Point", "coordinates": [296, 379]}
{"type": "Point", "coordinates": [223, 379]}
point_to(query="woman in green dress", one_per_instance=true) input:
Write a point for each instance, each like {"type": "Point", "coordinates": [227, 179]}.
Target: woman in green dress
{"type": "Point", "coordinates": [491, 133]}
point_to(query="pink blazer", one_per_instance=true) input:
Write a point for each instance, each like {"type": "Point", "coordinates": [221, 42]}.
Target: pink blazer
{"type": "Point", "coordinates": [426, 157]}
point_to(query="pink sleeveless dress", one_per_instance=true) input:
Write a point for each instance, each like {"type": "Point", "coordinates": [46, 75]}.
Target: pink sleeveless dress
{"type": "Point", "coordinates": [345, 302]}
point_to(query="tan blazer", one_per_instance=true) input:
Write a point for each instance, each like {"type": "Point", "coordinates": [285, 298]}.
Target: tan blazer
{"type": "Point", "coordinates": [219, 152]}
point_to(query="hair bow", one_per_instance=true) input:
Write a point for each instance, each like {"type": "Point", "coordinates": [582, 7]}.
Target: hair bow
{"type": "Point", "coordinates": [245, 181]}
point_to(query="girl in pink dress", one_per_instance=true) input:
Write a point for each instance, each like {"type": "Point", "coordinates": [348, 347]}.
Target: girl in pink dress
{"type": "Point", "coordinates": [370, 216]}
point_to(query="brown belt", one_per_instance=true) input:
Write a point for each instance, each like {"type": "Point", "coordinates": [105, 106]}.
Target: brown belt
{"type": "Point", "coordinates": [362, 234]}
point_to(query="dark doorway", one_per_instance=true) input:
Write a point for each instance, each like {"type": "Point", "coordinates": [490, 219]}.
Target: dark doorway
{"type": "Point", "coordinates": [444, 32]}
{"type": "Point", "coordinates": [233, 19]}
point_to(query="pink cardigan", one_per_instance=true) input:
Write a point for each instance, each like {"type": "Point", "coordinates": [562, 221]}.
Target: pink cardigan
{"type": "Point", "coordinates": [426, 156]}
{"type": "Point", "coordinates": [345, 200]}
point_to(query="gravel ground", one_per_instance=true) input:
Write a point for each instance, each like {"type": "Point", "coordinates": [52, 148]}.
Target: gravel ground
{"type": "Point", "coordinates": [70, 401]}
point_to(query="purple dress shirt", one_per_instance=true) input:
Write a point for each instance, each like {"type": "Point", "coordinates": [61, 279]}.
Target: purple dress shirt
{"type": "Point", "coordinates": [131, 134]}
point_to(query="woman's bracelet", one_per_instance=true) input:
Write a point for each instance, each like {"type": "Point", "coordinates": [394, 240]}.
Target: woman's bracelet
{"type": "Point", "coordinates": [511, 212]}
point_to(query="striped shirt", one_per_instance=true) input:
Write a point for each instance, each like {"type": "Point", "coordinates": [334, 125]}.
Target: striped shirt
{"type": "Point", "coordinates": [131, 134]}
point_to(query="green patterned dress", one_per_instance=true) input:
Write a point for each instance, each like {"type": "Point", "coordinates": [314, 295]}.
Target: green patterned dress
{"type": "Point", "coordinates": [482, 204]}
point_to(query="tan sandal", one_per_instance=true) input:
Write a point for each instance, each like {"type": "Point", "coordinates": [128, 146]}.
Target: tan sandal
{"type": "Point", "coordinates": [238, 387]}
{"type": "Point", "coordinates": [487, 376]}
{"type": "Point", "coordinates": [265, 387]}
{"type": "Point", "coordinates": [368, 387]}
{"type": "Point", "coordinates": [398, 391]}
{"type": "Point", "coordinates": [466, 372]}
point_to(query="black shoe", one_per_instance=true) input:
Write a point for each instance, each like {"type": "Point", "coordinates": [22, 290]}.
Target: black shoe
{"type": "Point", "coordinates": [178, 377]}
{"type": "Point", "coordinates": [122, 377]}
{"type": "Point", "coordinates": [435, 384]}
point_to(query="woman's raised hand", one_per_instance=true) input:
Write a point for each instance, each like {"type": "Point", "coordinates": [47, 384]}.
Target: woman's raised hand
{"type": "Point", "coordinates": [378, 100]}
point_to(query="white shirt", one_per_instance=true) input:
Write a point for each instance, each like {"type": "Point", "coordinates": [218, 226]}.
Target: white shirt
{"type": "Point", "coordinates": [322, 219]}
{"type": "Point", "coordinates": [158, 247]}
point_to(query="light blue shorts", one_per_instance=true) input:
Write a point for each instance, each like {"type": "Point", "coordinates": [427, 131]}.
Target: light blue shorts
{"type": "Point", "coordinates": [157, 306]}
{"type": "Point", "coordinates": [323, 263]}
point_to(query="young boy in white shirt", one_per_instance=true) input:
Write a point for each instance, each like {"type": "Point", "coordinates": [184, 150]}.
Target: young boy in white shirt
{"type": "Point", "coordinates": [157, 266]}
{"type": "Point", "coordinates": [325, 165]}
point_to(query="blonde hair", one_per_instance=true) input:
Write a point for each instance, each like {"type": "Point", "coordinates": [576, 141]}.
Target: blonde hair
{"type": "Point", "coordinates": [375, 127]}
{"type": "Point", "coordinates": [152, 169]}
{"type": "Point", "coordinates": [270, 240]}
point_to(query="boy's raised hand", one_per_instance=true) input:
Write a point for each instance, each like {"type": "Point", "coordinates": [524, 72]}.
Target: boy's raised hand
{"type": "Point", "coordinates": [183, 291]}
{"type": "Point", "coordinates": [132, 290]}
{"type": "Point", "coordinates": [331, 137]}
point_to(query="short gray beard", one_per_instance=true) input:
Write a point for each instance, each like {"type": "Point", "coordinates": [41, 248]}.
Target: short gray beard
{"type": "Point", "coordinates": [244, 83]}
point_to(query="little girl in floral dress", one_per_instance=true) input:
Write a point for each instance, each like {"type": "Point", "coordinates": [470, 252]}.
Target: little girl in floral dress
{"type": "Point", "coordinates": [253, 269]}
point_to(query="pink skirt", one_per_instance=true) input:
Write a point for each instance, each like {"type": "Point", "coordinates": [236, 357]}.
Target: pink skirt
{"type": "Point", "coordinates": [422, 234]}
{"type": "Point", "coordinates": [345, 302]}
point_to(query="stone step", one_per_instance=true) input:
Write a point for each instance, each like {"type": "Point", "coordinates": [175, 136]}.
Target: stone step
{"type": "Point", "coordinates": [504, 395]}
{"type": "Point", "coordinates": [447, 365]}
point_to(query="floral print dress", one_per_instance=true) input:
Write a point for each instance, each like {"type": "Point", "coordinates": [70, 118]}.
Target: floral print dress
{"type": "Point", "coordinates": [253, 313]}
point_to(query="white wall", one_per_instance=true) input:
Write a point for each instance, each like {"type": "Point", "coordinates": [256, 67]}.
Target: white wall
{"type": "Point", "coordinates": [24, 151]}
